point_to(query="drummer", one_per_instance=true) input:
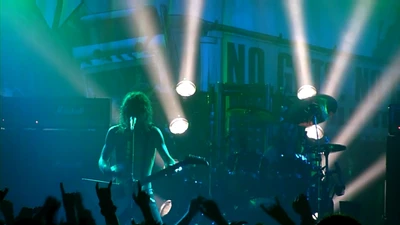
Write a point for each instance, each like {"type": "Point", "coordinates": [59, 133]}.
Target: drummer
{"type": "Point", "coordinates": [287, 140]}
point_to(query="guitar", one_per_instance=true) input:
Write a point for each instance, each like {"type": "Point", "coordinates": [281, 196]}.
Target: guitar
{"type": "Point", "coordinates": [169, 171]}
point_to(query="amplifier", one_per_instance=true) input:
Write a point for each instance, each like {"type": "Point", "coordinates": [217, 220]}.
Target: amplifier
{"type": "Point", "coordinates": [55, 113]}
{"type": "Point", "coordinates": [394, 119]}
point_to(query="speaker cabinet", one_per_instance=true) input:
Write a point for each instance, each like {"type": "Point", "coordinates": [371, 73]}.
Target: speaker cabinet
{"type": "Point", "coordinates": [392, 180]}
{"type": "Point", "coordinates": [34, 162]}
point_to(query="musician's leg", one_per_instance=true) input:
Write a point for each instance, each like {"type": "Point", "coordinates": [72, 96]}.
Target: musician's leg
{"type": "Point", "coordinates": [155, 211]}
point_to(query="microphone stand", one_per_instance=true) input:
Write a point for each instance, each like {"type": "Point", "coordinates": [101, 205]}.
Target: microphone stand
{"type": "Point", "coordinates": [132, 129]}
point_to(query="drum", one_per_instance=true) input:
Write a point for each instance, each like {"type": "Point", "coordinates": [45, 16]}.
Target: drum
{"type": "Point", "coordinates": [249, 164]}
{"type": "Point", "coordinates": [288, 176]}
{"type": "Point", "coordinates": [287, 167]}
{"type": "Point", "coordinates": [243, 176]}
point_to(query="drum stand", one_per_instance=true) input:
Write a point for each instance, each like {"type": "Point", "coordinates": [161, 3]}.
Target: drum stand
{"type": "Point", "coordinates": [323, 173]}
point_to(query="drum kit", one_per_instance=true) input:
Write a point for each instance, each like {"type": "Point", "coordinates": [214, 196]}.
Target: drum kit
{"type": "Point", "coordinates": [291, 164]}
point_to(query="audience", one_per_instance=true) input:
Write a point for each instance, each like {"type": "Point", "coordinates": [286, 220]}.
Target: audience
{"type": "Point", "coordinates": [77, 214]}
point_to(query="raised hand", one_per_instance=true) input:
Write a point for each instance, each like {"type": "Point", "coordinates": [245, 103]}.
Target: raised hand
{"type": "Point", "coordinates": [211, 210]}
{"type": "Point", "coordinates": [105, 202]}
{"type": "Point", "coordinates": [195, 205]}
{"type": "Point", "coordinates": [84, 215]}
{"type": "Point", "coordinates": [7, 208]}
{"type": "Point", "coordinates": [277, 212]}
{"type": "Point", "coordinates": [3, 194]}
{"type": "Point", "coordinates": [78, 202]}
{"type": "Point", "coordinates": [104, 194]}
{"type": "Point", "coordinates": [142, 199]}
{"type": "Point", "coordinates": [273, 209]}
{"type": "Point", "coordinates": [37, 210]}
{"type": "Point", "coordinates": [68, 200]}
{"type": "Point", "coordinates": [49, 211]}
{"type": "Point", "coordinates": [194, 208]}
{"type": "Point", "coordinates": [25, 213]}
{"type": "Point", "coordinates": [301, 206]}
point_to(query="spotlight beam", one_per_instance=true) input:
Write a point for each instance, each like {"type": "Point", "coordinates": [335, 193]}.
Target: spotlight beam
{"type": "Point", "coordinates": [369, 176]}
{"type": "Point", "coordinates": [347, 44]}
{"type": "Point", "coordinates": [379, 93]}
{"type": "Point", "coordinates": [158, 68]}
{"type": "Point", "coordinates": [302, 62]}
{"type": "Point", "coordinates": [194, 8]}
{"type": "Point", "coordinates": [47, 48]}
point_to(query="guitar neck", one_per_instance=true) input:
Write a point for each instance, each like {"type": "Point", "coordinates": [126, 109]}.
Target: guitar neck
{"type": "Point", "coordinates": [191, 160]}
{"type": "Point", "coordinates": [162, 173]}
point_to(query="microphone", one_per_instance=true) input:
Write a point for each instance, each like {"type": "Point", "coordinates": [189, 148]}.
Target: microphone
{"type": "Point", "coordinates": [132, 122]}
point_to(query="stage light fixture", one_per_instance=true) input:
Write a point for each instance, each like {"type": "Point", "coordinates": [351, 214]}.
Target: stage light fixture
{"type": "Point", "coordinates": [306, 91]}
{"type": "Point", "coordinates": [313, 130]}
{"type": "Point", "coordinates": [178, 125]}
{"type": "Point", "coordinates": [165, 208]}
{"type": "Point", "coordinates": [185, 88]}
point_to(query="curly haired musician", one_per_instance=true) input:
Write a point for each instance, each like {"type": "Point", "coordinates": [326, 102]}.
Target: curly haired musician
{"type": "Point", "coordinates": [130, 147]}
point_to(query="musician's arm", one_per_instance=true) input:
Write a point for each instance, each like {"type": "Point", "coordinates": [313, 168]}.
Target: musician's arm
{"type": "Point", "coordinates": [162, 148]}
{"type": "Point", "coordinates": [104, 160]}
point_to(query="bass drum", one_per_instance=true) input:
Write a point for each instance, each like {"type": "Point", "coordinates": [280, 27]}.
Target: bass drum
{"type": "Point", "coordinates": [288, 176]}
{"type": "Point", "coordinates": [245, 174]}
{"type": "Point", "coordinates": [248, 164]}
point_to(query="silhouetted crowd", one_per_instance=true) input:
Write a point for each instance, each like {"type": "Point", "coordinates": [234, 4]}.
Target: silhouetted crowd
{"type": "Point", "coordinates": [76, 213]}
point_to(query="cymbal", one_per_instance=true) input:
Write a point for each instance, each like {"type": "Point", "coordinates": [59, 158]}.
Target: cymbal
{"type": "Point", "coordinates": [303, 111]}
{"type": "Point", "coordinates": [260, 115]}
{"type": "Point", "coordinates": [329, 148]}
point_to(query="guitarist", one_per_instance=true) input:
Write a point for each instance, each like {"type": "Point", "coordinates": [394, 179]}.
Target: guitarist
{"type": "Point", "coordinates": [130, 149]}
